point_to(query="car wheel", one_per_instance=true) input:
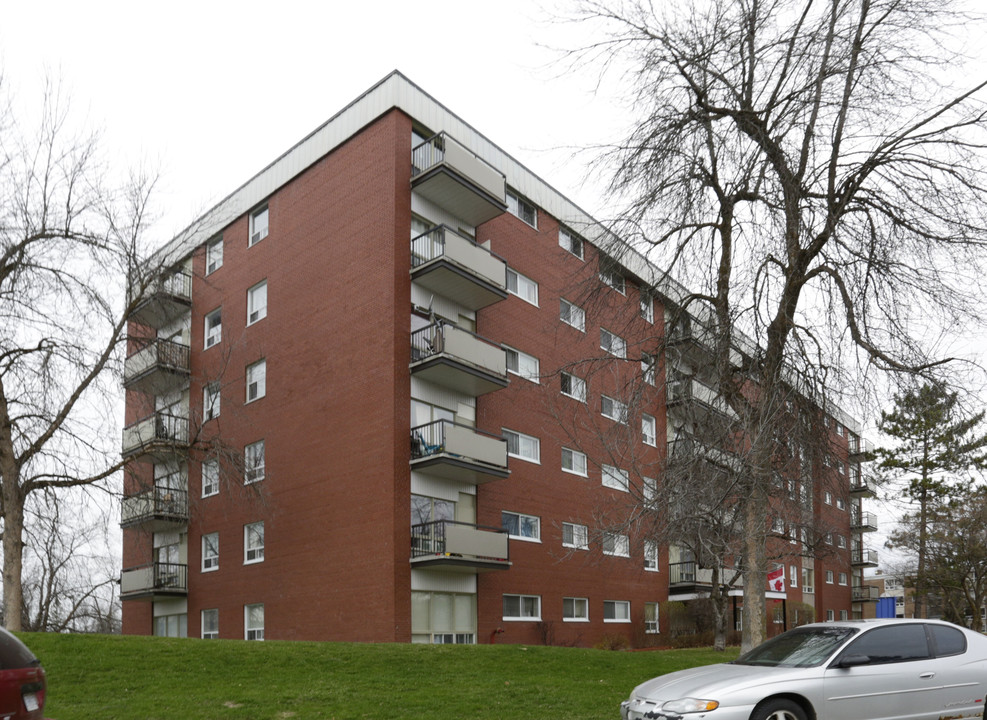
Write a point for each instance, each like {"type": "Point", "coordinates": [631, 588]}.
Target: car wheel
{"type": "Point", "coordinates": [779, 709]}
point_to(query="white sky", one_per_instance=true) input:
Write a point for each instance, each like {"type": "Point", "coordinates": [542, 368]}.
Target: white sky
{"type": "Point", "coordinates": [211, 92]}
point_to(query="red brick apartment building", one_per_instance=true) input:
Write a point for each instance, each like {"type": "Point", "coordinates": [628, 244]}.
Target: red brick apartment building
{"type": "Point", "coordinates": [280, 488]}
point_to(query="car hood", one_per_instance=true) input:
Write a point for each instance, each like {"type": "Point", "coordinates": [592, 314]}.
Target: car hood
{"type": "Point", "coordinates": [713, 682]}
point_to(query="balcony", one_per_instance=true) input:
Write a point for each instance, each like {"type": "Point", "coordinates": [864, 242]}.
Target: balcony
{"type": "Point", "coordinates": [158, 509]}
{"type": "Point", "coordinates": [864, 593]}
{"type": "Point", "coordinates": [158, 436]}
{"type": "Point", "coordinates": [457, 452]}
{"type": "Point", "coordinates": [691, 393]}
{"type": "Point", "coordinates": [164, 300]}
{"type": "Point", "coordinates": [456, 179]}
{"type": "Point", "coordinates": [859, 449]}
{"type": "Point", "coordinates": [863, 558]}
{"type": "Point", "coordinates": [154, 581]}
{"type": "Point", "coordinates": [862, 521]}
{"type": "Point", "coordinates": [687, 449]}
{"type": "Point", "coordinates": [457, 359]}
{"type": "Point", "coordinates": [454, 266]}
{"type": "Point", "coordinates": [157, 368]}
{"type": "Point", "coordinates": [459, 547]}
{"type": "Point", "coordinates": [861, 487]}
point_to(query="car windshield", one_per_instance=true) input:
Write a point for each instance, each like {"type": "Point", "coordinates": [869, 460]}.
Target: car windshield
{"type": "Point", "coordinates": [801, 647]}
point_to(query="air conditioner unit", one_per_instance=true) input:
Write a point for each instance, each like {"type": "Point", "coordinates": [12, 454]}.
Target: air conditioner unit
{"type": "Point", "coordinates": [255, 238]}
{"type": "Point", "coordinates": [212, 340]}
{"type": "Point", "coordinates": [254, 316]}
{"type": "Point", "coordinates": [252, 391]}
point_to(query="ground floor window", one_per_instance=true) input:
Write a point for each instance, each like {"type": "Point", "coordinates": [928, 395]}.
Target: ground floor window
{"type": "Point", "coordinates": [443, 618]}
{"type": "Point", "coordinates": [253, 621]}
{"type": "Point", "coordinates": [210, 624]}
{"type": "Point", "coordinates": [616, 611]}
{"type": "Point", "coordinates": [651, 617]}
{"type": "Point", "coordinates": [171, 625]}
{"type": "Point", "coordinates": [522, 607]}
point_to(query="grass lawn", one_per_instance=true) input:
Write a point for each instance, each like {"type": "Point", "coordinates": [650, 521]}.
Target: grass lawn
{"type": "Point", "coordinates": [109, 677]}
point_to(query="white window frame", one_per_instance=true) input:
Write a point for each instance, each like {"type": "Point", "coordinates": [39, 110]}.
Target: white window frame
{"type": "Point", "coordinates": [613, 343]}
{"type": "Point", "coordinates": [649, 488]}
{"type": "Point", "coordinates": [214, 254]}
{"type": "Point", "coordinates": [614, 477]}
{"type": "Point", "coordinates": [519, 207]}
{"type": "Point", "coordinates": [519, 281]}
{"type": "Point", "coordinates": [647, 306]}
{"type": "Point", "coordinates": [570, 242]}
{"type": "Point", "coordinates": [257, 303]}
{"type": "Point", "coordinates": [648, 370]}
{"type": "Point", "coordinates": [829, 616]}
{"type": "Point", "coordinates": [523, 520]}
{"type": "Point", "coordinates": [619, 544]}
{"type": "Point", "coordinates": [211, 401]}
{"type": "Point", "coordinates": [256, 380]}
{"type": "Point", "coordinates": [651, 556]}
{"type": "Point", "coordinates": [527, 447]}
{"type": "Point", "coordinates": [613, 606]}
{"type": "Point", "coordinates": [793, 576]}
{"type": "Point", "coordinates": [213, 328]}
{"type": "Point", "coordinates": [829, 577]}
{"type": "Point", "coordinates": [842, 579]}
{"type": "Point", "coordinates": [523, 365]}
{"type": "Point", "coordinates": [210, 552]}
{"type": "Point", "coordinates": [210, 478]}
{"type": "Point", "coordinates": [578, 536]}
{"type": "Point", "coordinates": [841, 541]}
{"type": "Point", "coordinates": [572, 315]}
{"type": "Point", "coordinates": [260, 224]}
{"type": "Point", "coordinates": [648, 422]}
{"type": "Point", "coordinates": [652, 627]}
{"type": "Point", "coordinates": [614, 279]}
{"type": "Point", "coordinates": [807, 585]}
{"type": "Point", "coordinates": [522, 601]}
{"type": "Point", "coordinates": [254, 471]}
{"type": "Point", "coordinates": [613, 409]}
{"type": "Point", "coordinates": [828, 497]}
{"type": "Point", "coordinates": [577, 386]}
{"type": "Point", "coordinates": [252, 552]}
{"type": "Point", "coordinates": [251, 631]}
{"type": "Point", "coordinates": [212, 634]}
{"type": "Point", "coordinates": [577, 462]}
{"type": "Point", "coordinates": [579, 609]}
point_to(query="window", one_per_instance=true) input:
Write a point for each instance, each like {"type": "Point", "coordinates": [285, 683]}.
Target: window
{"type": "Point", "coordinates": [829, 577]}
{"type": "Point", "coordinates": [829, 616]}
{"type": "Point", "coordinates": [841, 541]}
{"type": "Point", "coordinates": [523, 446]}
{"type": "Point", "coordinates": [615, 478]}
{"type": "Point", "coordinates": [258, 225]}
{"type": "Point", "coordinates": [210, 402]}
{"type": "Point", "coordinates": [949, 641]}
{"type": "Point", "coordinates": [253, 543]}
{"type": "Point", "coordinates": [649, 430]}
{"type": "Point", "coordinates": [842, 578]}
{"type": "Point", "coordinates": [253, 622]}
{"type": "Point", "coordinates": [828, 497]}
{"type": "Point", "coordinates": [210, 552]}
{"type": "Point", "coordinates": [256, 380]}
{"type": "Point", "coordinates": [614, 409]}
{"type": "Point", "coordinates": [525, 527]}
{"type": "Point", "coordinates": [616, 611]}
{"type": "Point", "coordinates": [522, 607]}
{"type": "Point", "coordinates": [647, 305]}
{"type": "Point", "coordinates": [524, 288]}
{"type": "Point", "coordinates": [574, 462]}
{"type": "Point", "coordinates": [901, 642]}
{"type": "Point", "coordinates": [648, 368]}
{"type": "Point", "coordinates": [210, 478]}
{"type": "Point", "coordinates": [793, 576]}
{"type": "Point", "coordinates": [616, 544]}
{"type": "Point", "coordinates": [575, 536]}
{"type": "Point", "coordinates": [651, 555]}
{"type": "Point", "coordinates": [522, 209]}
{"type": "Point", "coordinates": [613, 277]}
{"type": "Point", "coordinates": [522, 364]}
{"type": "Point", "coordinates": [613, 344]}
{"type": "Point", "coordinates": [840, 505]}
{"type": "Point", "coordinates": [649, 488]}
{"type": "Point", "coordinates": [210, 624]}
{"type": "Point", "coordinates": [650, 618]}
{"type": "Point", "coordinates": [573, 386]}
{"type": "Point", "coordinates": [575, 609]}
{"type": "Point", "coordinates": [778, 525]}
{"type": "Point", "coordinates": [257, 302]}
{"type": "Point", "coordinates": [807, 580]}
{"type": "Point", "coordinates": [570, 242]}
{"type": "Point", "coordinates": [253, 462]}
{"type": "Point", "coordinates": [844, 615]}
{"type": "Point", "coordinates": [572, 315]}
{"type": "Point", "coordinates": [214, 254]}
{"type": "Point", "coordinates": [214, 328]}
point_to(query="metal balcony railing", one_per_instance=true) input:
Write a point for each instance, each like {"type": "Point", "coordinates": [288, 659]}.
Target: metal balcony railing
{"type": "Point", "coordinates": [446, 172]}
{"type": "Point", "coordinates": [158, 502]}
{"type": "Point", "coordinates": [447, 437]}
{"type": "Point", "coordinates": [158, 431]}
{"type": "Point", "coordinates": [157, 577]}
{"type": "Point", "coordinates": [864, 593]}
{"type": "Point", "coordinates": [464, 541]}
{"type": "Point", "coordinates": [162, 300]}
{"type": "Point", "coordinates": [863, 557]}
{"type": "Point", "coordinates": [863, 521]}
{"type": "Point", "coordinates": [159, 354]}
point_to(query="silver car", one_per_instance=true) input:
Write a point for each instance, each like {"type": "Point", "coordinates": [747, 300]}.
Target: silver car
{"type": "Point", "coordinates": [855, 670]}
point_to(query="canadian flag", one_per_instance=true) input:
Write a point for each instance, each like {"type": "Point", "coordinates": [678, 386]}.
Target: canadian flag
{"type": "Point", "coordinates": [776, 579]}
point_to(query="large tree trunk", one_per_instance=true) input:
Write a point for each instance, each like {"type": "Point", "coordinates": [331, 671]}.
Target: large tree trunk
{"type": "Point", "coordinates": [13, 552]}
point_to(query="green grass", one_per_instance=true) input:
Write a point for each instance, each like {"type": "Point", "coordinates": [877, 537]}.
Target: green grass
{"type": "Point", "coordinates": [139, 678]}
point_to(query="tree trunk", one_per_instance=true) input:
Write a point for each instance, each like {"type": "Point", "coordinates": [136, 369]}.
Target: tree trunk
{"type": "Point", "coordinates": [13, 553]}
{"type": "Point", "coordinates": [755, 573]}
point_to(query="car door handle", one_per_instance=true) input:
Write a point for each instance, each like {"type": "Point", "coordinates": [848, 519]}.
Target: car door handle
{"type": "Point", "coordinates": [927, 675]}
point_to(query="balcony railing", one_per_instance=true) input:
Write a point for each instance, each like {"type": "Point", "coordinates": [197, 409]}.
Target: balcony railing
{"type": "Point", "coordinates": [160, 434]}
{"type": "Point", "coordinates": [457, 452]}
{"type": "Point", "coordinates": [858, 448]}
{"type": "Point", "coordinates": [861, 486]}
{"type": "Point", "coordinates": [454, 266]}
{"type": "Point", "coordinates": [863, 521]}
{"type": "Point", "coordinates": [160, 507]}
{"type": "Point", "coordinates": [863, 558]}
{"type": "Point", "coordinates": [158, 367]}
{"type": "Point", "coordinates": [154, 579]}
{"type": "Point", "coordinates": [457, 179]}
{"type": "Point", "coordinates": [458, 359]}
{"type": "Point", "coordinates": [691, 392]}
{"type": "Point", "coordinates": [864, 593]}
{"type": "Point", "coordinates": [459, 546]}
{"type": "Point", "coordinates": [165, 299]}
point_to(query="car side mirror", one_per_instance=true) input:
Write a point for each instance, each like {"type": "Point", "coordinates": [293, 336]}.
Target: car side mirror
{"type": "Point", "coordinates": [849, 661]}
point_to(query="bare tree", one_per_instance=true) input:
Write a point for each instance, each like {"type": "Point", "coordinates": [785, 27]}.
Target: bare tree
{"type": "Point", "coordinates": [806, 170]}
{"type": "Point", "coordinates": [70, 236]}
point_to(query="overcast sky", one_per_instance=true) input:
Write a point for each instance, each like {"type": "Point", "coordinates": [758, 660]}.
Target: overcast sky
{"type": "Point", "coordinates": [211, 92]}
